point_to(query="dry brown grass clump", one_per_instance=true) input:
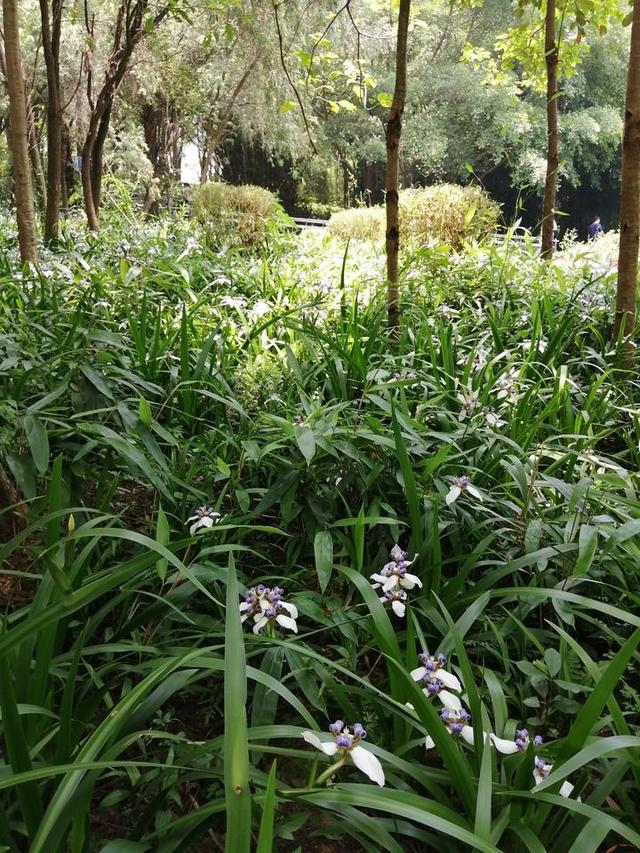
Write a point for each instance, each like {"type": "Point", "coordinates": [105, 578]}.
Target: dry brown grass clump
{"type": "Point", "coordinates": [445, 213]}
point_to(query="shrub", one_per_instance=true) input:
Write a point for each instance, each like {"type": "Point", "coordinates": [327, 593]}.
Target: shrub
{"type": "Point", "coordinates": [444, 213]}
{"type": "Point", "coordinates": [237, 214]}
{"type": "Point", "coordinates": [358, 223]}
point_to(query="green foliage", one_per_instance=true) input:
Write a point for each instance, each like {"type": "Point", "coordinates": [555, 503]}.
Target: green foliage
{"type": "Point", "coordinates": [167, 375]}
{"type": "Point", "coordinates": [239, 215]}
{"type": "Point", "coordinates": [443, 213]}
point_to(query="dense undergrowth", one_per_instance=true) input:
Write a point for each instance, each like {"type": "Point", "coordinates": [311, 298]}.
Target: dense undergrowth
{"type": "Point", "coordinates": [150, 386]}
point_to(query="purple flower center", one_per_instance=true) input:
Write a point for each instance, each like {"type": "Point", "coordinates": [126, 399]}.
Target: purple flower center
{"type": "Point", "coordinates": [343, 741]}
{"type": "Point", "coordinates": [359, 731]}
{"type": "Point", "coordinates": [463, 482]}
{"type": "Point", "coordinates": [456, 728]}
{"type": "Point", "coordinates": [538, 740]}
{"type": "Point", "coordinates": [336, 728]}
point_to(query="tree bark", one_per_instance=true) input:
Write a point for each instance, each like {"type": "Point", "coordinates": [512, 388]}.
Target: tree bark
{"type": "Point", "coordinates": [626, 294]}
{"type": "Point", "coordinates": [18, 140]}
{"type": "Point", "coordinates": [553, 159]}
{"type": "Point", "coordinates": [393, 134]}
{"type": "Point", "coordinates": [51, 31]}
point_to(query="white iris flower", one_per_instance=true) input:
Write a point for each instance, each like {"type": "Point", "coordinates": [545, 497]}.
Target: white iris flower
{"type": "Point", "coordinates": [346, 744]}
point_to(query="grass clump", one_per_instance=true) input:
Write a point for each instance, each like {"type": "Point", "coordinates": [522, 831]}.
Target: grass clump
{"type": "Point", "coordinates": [445, 213]}
{"type": "Point", "coordinates": [241, 215]}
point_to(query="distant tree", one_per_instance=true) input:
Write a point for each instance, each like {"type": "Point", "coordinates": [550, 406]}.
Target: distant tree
{"type": "Point", "coordinates": [393, 136]}
{"type": "Point", "coordinates": [626, 295]}
{"type": "Point", "coordinates": [51, 27]}
{"type": "Point", "coordinates": [134, 20]}
{"type": "Point", "coordinates": [551, 52]}
{"type": "Point", "coordinates": [18, 135]}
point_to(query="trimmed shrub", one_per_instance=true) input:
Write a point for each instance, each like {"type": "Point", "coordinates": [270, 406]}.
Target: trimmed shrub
{"type": "Point", "coordinates": [237, 214]}
{"type": "Point", "coordinates": [444, 213]}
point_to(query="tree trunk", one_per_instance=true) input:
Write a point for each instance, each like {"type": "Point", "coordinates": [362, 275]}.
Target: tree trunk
{"type": "Point", "coordinates": [67, 171]}
{"type": "Point", "coordinates": [27, 233]}
{"type": "Point", "coordinates": [625, 318]}
{"type": "Point", "coordinates": [51, 30]}
{"type": "Point", "coordinates": [551, 181]}
{"type": "Point", "coordinates": [393, 133]}
{"type": "Point", "coordinates": [34, 152]}
{"type": "Point", "coordinates": [97, 157]}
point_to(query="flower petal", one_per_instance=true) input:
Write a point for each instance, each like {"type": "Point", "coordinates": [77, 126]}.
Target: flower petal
{"type": "Point", "coordinates": [503, 745]}
{"type": "Point", "coordinates": [390, 583]}
{"type": "Point", "coordinates": [449, 680]}
{"type": "Point", "coordinates": [429, 742]}
{"type": "Point", "coordinates": [329, 747]}
{"type": "Point", "coordinates": [467, 735]}
{"type": "Point", "coordinates": [449, 700]}
{"type": "Point", "coordinates": [287, 622]}
{"type": "Point", "coordinates": [419, 673]}
{"type": "Point", "coordinates": [398, 608]}
{"type": "Point", "coordinates": [454, 494]}
{"type": "Point", "coordinates": [566, 789]}
{"type": "Point", "coordinates": [473, 491]}
{"type": "Point", "coordinates": [368, 763]}
{"type": "Point", "coordinates": [409, 581]}
{"type": "Point", "coordinates": [293, 610]}
{"type": "Point", "coordinates": [260, 623]}
{"type": "Point", "coordinates": [396, 553]}
{"type": "Point", "coordinates": [313, 739]}
{"type": "Point", "coordinates": [378, 578]}
{"type": "Point", "coordinates": [244, 606]}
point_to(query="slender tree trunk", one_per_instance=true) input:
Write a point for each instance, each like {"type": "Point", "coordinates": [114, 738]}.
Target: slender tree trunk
{"type": "Point", "coordinates": [67, 173]}
{"type": "Point", "coordinates": [27, 233]}
{"type": "Point", "coordinates": [393, 133]}
{"type": "Point", "coordinates": [34, 152]}
{"type": "Point", "coordinates": [51, 30]}
{"type": "Point", "coordinates": [626, 294]}
{"type": "Point", "coordinates": [97, 157]}
{"type": "Point", "coordinates": [551, 181]}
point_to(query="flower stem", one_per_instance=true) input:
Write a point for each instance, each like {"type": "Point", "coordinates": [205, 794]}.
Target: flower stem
{"type": "Point", "coordinates": [328, 773]}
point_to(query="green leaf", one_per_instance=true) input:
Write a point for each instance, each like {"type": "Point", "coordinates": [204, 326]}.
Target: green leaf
{"type": "Point", "coordinates": [38, 442]}
{"type": "Point", "coordinates": [597, 699]}
{"type": "Point", "coordinates": [144, 412]}
{"type": "Point", "coordinates": [410, 488]}
{"type": "Point", "coordinates": [162, 537]}
{"type": "Point", "coordinates": [286, 106]}
{"type": "Point", "coordinates": [482, 826]}
{"type": "Point", "coordinates": [17, 749]}
{"type": "Point", "coordinates": [587, 544]}
{"type": "Point", "coordinates": [265, 838]}
{"type": "Point", "coordinates": [236, 744]}
{"type": "Point", "coordinates": [323, 551]}
{"type": "Point", "coordinates": [385, 99]}
{"type": "Point", "coordinates": [403, 804]}
{"type": "Point", "coordinates": [306, 442]}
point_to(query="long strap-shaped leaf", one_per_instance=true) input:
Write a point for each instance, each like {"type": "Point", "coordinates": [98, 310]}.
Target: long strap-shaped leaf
{"type": "Point", "coordinates": [18, 750]}
{"type": "Point", "coordinates": [55, 819]}
{"type": "Point", "coordinates": [236, 745]}
{"type": "Point", "coordinates": [400, 804]}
